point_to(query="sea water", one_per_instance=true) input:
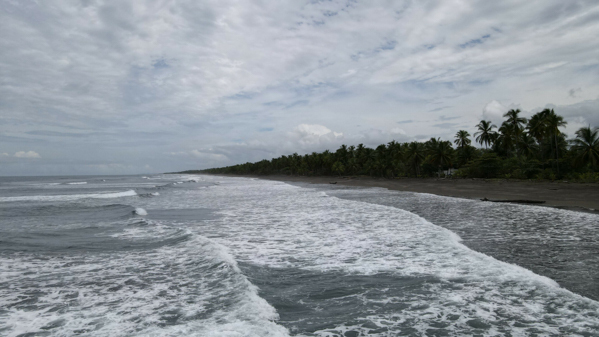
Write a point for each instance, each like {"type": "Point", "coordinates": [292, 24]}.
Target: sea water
{"type": "Point", "coordinates": [177, 255]}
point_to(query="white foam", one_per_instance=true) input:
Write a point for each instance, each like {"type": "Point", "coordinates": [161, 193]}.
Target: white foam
{"type": "Point", "coordinates": [69, 197]}
{"type": "Point", "coordinates": [155, 194]}
{"type": "Point", "coordinates": [141, 211]}
{"type": "Point", "coordinates": [132, 293]}
{"type": "Point", "coordinates": [78, 183]}
{"type": "Point", "coordinates": [278, 225]}
{"type": "Point", "coordinates": [45, 184]}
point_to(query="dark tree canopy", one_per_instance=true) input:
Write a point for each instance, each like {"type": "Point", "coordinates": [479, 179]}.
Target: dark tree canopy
{"type": "Point", "coordinates": [521, 148]}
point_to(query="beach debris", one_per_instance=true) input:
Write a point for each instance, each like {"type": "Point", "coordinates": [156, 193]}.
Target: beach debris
{"type": "Point", "coordinates": [516, 201]}
{"type": "Point", "coordinates": [332, 182]}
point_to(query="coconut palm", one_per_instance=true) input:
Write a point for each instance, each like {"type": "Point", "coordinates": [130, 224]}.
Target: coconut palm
{"type": "Point", "coordinates": [440, 152]}
{"type": "Point", "coordinates": [586, 146]}
{"type": "Point", "coordinates": [461, 139]}
{"type": "Point", "coordinates": [394, 157]}
{"type": "Point", "coordinates": [415, 155]}
{"type": "Point", "coordinates": [527, 146]}
{"type": "Point", "coordinates": [514, 121]}
{"type": "Point", "coordinates": [537, 125]}
{"type": "Point", "coordinates": [554, 122]}
{"type": "Point", "coordinates": [465, 154]}
{"type": "Point", "coordinates": [507, 136]}
{"type": "Point", "coordinates": [485, 133]}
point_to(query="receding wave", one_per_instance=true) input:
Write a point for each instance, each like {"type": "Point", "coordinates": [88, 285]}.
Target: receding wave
{"type": "Point", "coordinates": [70, 197]}
{"type": "Point", "coordinates": [78, 183]}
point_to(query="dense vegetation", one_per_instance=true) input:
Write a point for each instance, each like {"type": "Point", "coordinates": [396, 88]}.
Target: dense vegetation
{"type": "Point", "coordinates": [519, 149]}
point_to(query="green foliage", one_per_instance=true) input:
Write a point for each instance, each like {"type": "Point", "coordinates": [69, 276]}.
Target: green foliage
{"type": "Point", "coordinates": [586, 147]}
{"type": "Point", "coordinates": [338, 168]}
{"type": "Point", "coordinates": [588, 177]}
{"type": "Point", "coordinates": [488, 165]}
{"type": "Point", "coordinates": [519, 149]}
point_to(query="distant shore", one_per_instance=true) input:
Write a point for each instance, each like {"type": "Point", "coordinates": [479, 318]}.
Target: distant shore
{"type": "Point", "coordinates": [572, 196]}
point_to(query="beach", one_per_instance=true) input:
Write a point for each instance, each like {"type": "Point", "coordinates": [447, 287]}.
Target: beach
{"type": "Point", "coordinates": [567, 195]}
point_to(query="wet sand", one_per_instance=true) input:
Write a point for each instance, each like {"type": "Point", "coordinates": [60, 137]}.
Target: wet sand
{"type": "Point", "coordinates": [574, 196]}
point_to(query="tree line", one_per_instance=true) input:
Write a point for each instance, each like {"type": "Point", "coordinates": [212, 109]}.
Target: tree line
{"type": "Point", "coordinates": [519, 148]}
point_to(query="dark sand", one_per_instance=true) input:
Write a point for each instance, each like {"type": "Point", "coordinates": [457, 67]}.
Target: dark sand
{"type": "Point", "coordinates": [573, 196]}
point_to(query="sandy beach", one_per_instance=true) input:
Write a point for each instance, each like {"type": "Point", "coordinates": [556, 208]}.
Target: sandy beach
{"type": "Point", "coordinates": [574, 196]}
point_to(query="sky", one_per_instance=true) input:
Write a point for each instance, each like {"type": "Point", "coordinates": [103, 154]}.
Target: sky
{"type": "Point", "coordinates": [127, 87]}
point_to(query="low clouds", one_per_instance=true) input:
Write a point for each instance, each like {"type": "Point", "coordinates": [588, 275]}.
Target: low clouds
{"type": "Point", "coordinates": [311, 136]}
{"type": "Point", "coordinates": [101, 86]}
{"type": "Point", "coordinates": [27, 154]}
{"type": "Point", "coordinates": [302, 139]}
{"type": "Point", "coordinates": [494, 112]}
{"type": "Point", "coordinates": [585, 113]}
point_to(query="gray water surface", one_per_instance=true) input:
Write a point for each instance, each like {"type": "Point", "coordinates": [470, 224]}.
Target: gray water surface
{"type": "Point", "coordinates": [177, 255]}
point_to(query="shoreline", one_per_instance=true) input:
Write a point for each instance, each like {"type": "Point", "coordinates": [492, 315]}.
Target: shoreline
{"type": "Point", "coordinates": [581, 197]}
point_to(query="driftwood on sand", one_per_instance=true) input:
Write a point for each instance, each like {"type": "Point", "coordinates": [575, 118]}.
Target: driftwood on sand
{"type": "Point", "coordinates": [517, 201]}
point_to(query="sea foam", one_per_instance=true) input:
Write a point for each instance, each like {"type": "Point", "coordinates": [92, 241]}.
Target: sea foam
{"type": "Point", "coordinates": [69, 197]}
{"type": "Point", "coordinates": [282, 226]}
{"type": "Point", "coordinates": [140, 211]}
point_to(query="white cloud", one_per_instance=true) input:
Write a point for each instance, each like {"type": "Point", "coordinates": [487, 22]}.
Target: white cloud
{"type": "Point", "coordinates": [494, 111]}
{"type": "Point", "coordinates": [309, 136]}
{"type": "Point", "coordinates": [161, 77]}
{"type": "Point", "coordinates": [205, 155]}
{"type": "Point", "coordinates": [28, 154]}
{"type": "Point", "coordinates": [397, 131]}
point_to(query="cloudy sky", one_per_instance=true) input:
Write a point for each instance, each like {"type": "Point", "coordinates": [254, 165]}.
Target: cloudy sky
{"type": "Point", "coordinates": [118, 87]}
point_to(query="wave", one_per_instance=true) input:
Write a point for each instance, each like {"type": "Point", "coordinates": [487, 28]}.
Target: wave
{"type": "Point", "coordinates": [140, 211]}
{"type": "Point", "coordinates": [189, 288]}
{"type": "Point", "coordinates": [68, 210]}
{"type": "Point", "coordinates": [70, 197]}
{"type": "Point", "coordinates": [77, 183]}
{"type": "Point", "coordinates": [149, 195]}
{"type": "Point", "coordinates": [288, 227]}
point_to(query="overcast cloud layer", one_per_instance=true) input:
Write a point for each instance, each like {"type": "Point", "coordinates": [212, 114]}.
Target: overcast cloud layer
{"type": "Point", "coordinates": [112, 87]}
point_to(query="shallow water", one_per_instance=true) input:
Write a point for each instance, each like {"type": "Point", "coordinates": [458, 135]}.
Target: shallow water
{"type": "Point", "coordinates": [214, 256]}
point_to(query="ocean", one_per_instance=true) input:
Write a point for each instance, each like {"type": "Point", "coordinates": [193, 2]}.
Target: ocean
{"type": "Point", "coordinates": [183, 255]}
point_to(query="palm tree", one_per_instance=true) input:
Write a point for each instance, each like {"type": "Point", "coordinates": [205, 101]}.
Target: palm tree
{"type": "Point", "coordinates": [586, 146]}
{"type": "Point", "coordinates": [461, 139]}
{"type": "Point", "coordinates": [527, 146]}
{"type": "Point", "coordinates": [440, 152]}
{"type": "Point", "coordinates": [536, 125]}
{"type": "Point", "coordinates": [415, 155]}
{"type": "Point", "coordinates": [554, 122]}
{"type": "Point", "coordinates": [485, 134]}
{"type": "Point", "coordinates": [514, 121]}
{"type": "Point", "coordinates": [465, 155]}
{"type": "Point", "coordinates": [506, 138]}
{"type": "Point", "coordinates": [395, 156]}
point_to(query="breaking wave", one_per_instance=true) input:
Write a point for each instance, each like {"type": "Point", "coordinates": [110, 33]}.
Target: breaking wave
{"type": "Point", "coordinates": [70, 197]}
